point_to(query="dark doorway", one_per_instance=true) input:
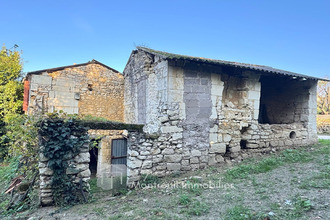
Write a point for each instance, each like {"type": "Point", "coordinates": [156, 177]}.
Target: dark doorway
{"type": "Point", "coordinates": [93, 161]}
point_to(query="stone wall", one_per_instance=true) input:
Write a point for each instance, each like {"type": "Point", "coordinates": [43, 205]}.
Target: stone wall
{"type": "Point", "coordinates": [90, 89]}
{"type": "Point", "coordinates": [207, 115]}
{"type": "Point", "coordinates": [78, 170]}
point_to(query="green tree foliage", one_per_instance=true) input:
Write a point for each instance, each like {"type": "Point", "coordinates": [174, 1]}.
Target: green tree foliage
{"type": "Point", "coordinates": [11, 92]}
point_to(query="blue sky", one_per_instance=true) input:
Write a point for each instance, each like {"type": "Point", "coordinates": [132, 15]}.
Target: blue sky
{"type": "Point", "coordinates": [292, 35]}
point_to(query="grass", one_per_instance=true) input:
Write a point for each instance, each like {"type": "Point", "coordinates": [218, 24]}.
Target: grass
{"type": "Point", "coordinates": [7, 172]}
{"type": "Point", "coordinates": [318, 181]}
{"type": "Point", "coordinates": [245, 170]}
{"type": "Point", "coordinates": [240, 212]}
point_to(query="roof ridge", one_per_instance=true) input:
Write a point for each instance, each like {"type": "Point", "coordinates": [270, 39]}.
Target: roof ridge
{"type": "Point", "coordinates": [257, 67]}
{"type": "Point", "coordinates": [93, 61]}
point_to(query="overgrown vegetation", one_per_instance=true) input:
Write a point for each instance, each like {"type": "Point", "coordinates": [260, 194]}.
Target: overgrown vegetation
{"type": "Point", "coordinates": [58, 146]}
{"type": "Point", "coordinates": [11, 93]}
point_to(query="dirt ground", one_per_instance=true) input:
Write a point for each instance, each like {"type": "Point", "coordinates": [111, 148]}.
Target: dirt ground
{"type": "Point", "coordinates": [289, 185]}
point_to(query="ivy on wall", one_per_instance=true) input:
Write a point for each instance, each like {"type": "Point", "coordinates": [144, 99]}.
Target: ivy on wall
{"type": "Point", "coordinates": [61, 139]}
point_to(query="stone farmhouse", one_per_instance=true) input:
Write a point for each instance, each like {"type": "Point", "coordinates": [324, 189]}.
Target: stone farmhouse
{"type": "Point", "coordinates": [202, 112]}
{"type": "Point", "coordinates": [196, 112]}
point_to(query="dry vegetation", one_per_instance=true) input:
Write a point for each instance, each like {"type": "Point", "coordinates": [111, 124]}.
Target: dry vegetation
{"type": "Point", "coordinates": [323, 123]}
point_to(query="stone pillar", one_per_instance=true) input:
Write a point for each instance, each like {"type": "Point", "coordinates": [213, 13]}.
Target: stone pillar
{"type": "Point", "coordinates": [78, 168]}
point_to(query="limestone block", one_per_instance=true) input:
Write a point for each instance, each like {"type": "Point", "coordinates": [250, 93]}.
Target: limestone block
{"type": "Point", "coordinates": [256, 137]}
{"type": "Point", "coordinates": [186, 168]}
{"type": "Point", "coordinates": [220, 138]}
{"type": "Point", "coordinates": [173, 166]}
{"type": "Point", "coordinates": [213, 137]}
{"type": "Point", "coordinates": [195, 153]}
{"type": "Point", "coordinates": [82, 166]}
{"type": "Point", "coordinates": [144, 153]}
{"type": "Point", "coordinates": [218, 148]}
{"type": "Point", "coordinates": [185, 162]}
{"type": "Point", "coordinates": [168, 151]}
{"type": "Point", "coordinates": [42, 165]}
{"type": "Point", "coordinates": [72, 170]}
{"type": "Point", "coordinates": [155, 151]}
{"type": "Point", "coordinates": [85, 174]}
{"type": "Point", "coordinates": [226, 137]}
{"type": "Point", "coordinates": [46, 171]}
{"type": "Point", "coordinates": [274, 143]}
{"type": "Point", "coordinates": [161, 167]}
{"type": "Point", "coordinates": [163, 119]}
{"type": "Point", "coordinates": [288, 142]}
{"type": "Point", "coordinates": [176, 136]}
{"type": "Point", "coordinates": [246, 136]}
{"type": "Point", "coordinates": [204, 159]}
{"type": "Point", "coordinates": [252, 145]}
{"type": "Point", "coordinates": [82, 158]}
{"type": "Point", "coordinates": [134, 153]}
{"type": "Point", "coordinates": [214, 129]}
{"type": "Point", "coordinates": [157, 158]}
{"type": "Point", "coordinates": [46, 201]}
{"type": "Point", "coordinates": [219, 158]}
{"type": "Point", "coordinates": [212, 161]}
{"type": "Point", "coordinates": [235, 149]}
{"type": "Point", "coordinates": [134, 163]}
{"type": "Point", "coordinates": [146, 171]}
{"type": "Point", "coordinates": [194, 160]}
{"type": "Point", "coordinates": [194, 166]}
{"type": "Point", "coordinates": [173, 158]}
{"type": "Point", "coordinates": [42, 157]}
{"type": "Point", "coordinates": [280, 143]}
{"type": "Point", "coordinates": [171, 129]}
{"type": "Point", "coordinates": [147, 164]}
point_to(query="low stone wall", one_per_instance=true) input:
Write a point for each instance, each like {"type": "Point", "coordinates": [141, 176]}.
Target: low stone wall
{"type": "Point", "coordinates": [77, 170]}
{"type": "Point", "coordinates": [166, 154]}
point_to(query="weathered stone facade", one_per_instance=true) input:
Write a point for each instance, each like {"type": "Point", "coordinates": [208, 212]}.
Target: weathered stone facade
{"type": "Point", "coordinates": [200, 114]}
{"type": "Point", "coordinates": [85, 89]}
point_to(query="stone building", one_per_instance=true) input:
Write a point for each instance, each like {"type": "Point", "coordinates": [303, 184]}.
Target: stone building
{"type": "Point", "coordinates": [199, 112]}
{"type": "Point", "coordinates": [90, 88]}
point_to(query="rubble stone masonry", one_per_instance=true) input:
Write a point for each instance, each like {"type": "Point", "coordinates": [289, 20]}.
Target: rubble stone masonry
{"type": "Point", "coordinates": [197, 116]}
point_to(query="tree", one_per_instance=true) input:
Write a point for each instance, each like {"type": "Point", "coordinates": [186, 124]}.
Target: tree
{"type": "Point", "coordinates": [11, 91]}
{"type": "Point", "coordinates": [323, 98]}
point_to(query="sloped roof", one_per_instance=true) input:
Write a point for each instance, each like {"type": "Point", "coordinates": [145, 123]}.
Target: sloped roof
{"type": "Point", "coordinates": [261, 68]}
{"type": "Point", "coordinates": [70, 66]}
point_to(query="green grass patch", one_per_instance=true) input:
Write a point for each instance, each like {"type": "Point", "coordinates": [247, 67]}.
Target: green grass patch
{"type": "Point", "coordinates": [192, 206]}
{"type": "Point", "coordinates": [265, 165]}
{"type": "Point", "coordinates": [240, 212]}
{"type": "Point", "coordinates": [93, 186]}
{"type": "Point", "coordinates": [318, 181]}
{"type": "Point", "coordinates": [184, 199]}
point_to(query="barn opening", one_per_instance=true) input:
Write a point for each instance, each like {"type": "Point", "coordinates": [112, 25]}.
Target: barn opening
{"type": "Point", "coordinates": [93, 161]}
{"type": "Point", "coordinates": [283, 100]}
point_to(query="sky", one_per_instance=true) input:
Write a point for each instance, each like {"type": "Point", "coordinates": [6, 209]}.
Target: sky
{"type": "Point", "coordinates": [292, 35]}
